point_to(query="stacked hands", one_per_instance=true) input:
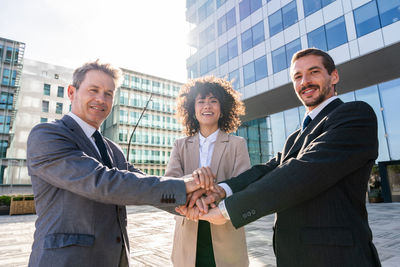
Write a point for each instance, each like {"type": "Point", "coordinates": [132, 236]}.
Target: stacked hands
{"type": "Point", "coordinates": [203, 196]}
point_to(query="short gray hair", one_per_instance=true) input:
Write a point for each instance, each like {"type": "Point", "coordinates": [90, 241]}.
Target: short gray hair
{"type": "Point", "coordinates": [80, 73]}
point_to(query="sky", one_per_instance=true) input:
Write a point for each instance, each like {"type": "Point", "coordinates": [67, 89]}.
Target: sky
{"type": "Point", "coordinates": [148, 36]}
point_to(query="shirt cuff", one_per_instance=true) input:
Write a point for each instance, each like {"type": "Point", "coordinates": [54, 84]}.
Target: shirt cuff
{"type": "Point", "coordinates": [228, 190]}
{"type": "Point", "coordinates": [223, 210]}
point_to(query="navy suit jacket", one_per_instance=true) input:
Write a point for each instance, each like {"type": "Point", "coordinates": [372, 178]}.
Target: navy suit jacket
{"type": "Point", "coordinates": [317, 188]}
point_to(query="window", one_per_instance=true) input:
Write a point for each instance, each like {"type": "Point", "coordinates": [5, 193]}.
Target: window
{"type": "Point", "coordinates": [317, 38]}
{"type": "Point", "coordinates": [5, 124]}
{"type": "Point", "coordinates": [9, 77]}
{"type": "Point", "coordinates": [228, 51]}
{"type": "Point", "coordinates": [207, 63]}
{"type": "Point", "coordinates": [282, 56]}
{"type": "Point", "coordinates": [126, 81]}
{"type": "Point", "coordinates": [220, 3]}
{"type": "Point", "coordinates": [1, 52]}
{"type": "Point", "coordinates": [206, 10]}
{"type": "Point", "coordinates": [253, 36]}
{"type": "Point", "coordinates": [6, 100]}
{"type": "Point", "coordinates": [336, 33]}
{"type": "Point", "coordinates": [283, 18]}
{"type": "Point", "coordinates": [260, 66]}
{"type": "Point", "coordinates": [366, 19]}
{"type": "Point", "coordinates": [226, 22]}
{"type": "Point", "coordinates": [60, 91]}
{"type": "Point", "coordinates": [123, 116]}
{"type": "Point", "coordinates": [248, 73]}
{"type": "Point", "coordinates": [207, 36]}
{"type": "Point", "coordinates": [246, 7]}
{"type": "Point", "coordinates": [46, 89]}
{"type": "Point", "coordinates": [8, 55]}
{"type": "Point", "coordinates": [45, 106]}
{"type": "Point", "coordinates": [255, 70]}
{"type": "Point", "coordinates": [44, 119]}
{"type": "Point", "coordinates": [232, 49]}
{"type": "Point", "coordinates": [328, 36]}
{"type": "Point", "coordinates": [389, 11]}
{"type": "Point", "coordinates": [59, 108]}
{"type": "Point", "coordinates": [234, 77]}
{"type": "Point", "coordinates": [223, 54]}
{"type": "Point", "coordinates": [311, 6]}
{"type": "Point", "coordinates": [192, 71]}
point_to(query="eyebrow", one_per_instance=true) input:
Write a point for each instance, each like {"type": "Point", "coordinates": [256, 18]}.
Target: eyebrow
{"type": "Point", "coordinates": [311, 68]}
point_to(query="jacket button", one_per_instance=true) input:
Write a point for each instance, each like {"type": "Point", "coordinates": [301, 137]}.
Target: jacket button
{"type": "Point", "coordinates": [118, 239]}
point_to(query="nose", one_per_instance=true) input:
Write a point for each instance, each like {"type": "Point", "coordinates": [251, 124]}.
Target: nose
{"type": "Point", "coordinates": [100, 98]}
{"type": "Point", "coordinates": [305, 80]}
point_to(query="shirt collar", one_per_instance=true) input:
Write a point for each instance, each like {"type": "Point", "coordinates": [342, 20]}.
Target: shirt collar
{"type": "Point", "coordinates": [313, 113]}
{"type": "Point", "coordinates": [87, 128]}
{"type": "Point", "coordinates": [211, 138]}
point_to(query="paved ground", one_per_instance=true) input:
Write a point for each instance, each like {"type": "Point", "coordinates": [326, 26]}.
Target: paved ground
{"type": "Point", "coordinates": [150, 233]}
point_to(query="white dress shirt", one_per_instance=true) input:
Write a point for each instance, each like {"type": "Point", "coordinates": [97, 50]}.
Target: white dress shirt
{"type": "Point", "coordinates": [206, 148]}
{"type": "Point", "coordinates": [313, 113]}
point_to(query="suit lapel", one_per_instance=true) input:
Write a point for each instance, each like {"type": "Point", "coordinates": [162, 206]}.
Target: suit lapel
{"type": "Point", "coordinates": [219, 149]}
{"type": "Point", "coordinates": [80, 137]}
{"type": "Point", "coordinates": [298, 143]}
{"type": "Point", "coordinates": [193, 153]}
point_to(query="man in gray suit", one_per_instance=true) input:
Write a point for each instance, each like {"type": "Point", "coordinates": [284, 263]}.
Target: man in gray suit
{"type": "Point", "coordinates": [82, 181]}
{"type": "Point", "coordinates": [317, 184]}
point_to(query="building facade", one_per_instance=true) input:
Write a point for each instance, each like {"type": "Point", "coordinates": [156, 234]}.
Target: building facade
{"type": "Point", "coordinates": [42, 98]}
{"type": "Point", "coordinates": [11, 65]}
{"type": "Point", "coordinates": [157, 130]}
{"type": "Point", "coordinates": [252, 41]}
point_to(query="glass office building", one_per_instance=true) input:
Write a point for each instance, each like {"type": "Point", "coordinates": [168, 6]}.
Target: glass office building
{"type": "Point", "coordinates": [157, 130]}
{"type": "Point", "coordinates": [11, 64]}
{"type": "Point", "coordinates": [252, 41]}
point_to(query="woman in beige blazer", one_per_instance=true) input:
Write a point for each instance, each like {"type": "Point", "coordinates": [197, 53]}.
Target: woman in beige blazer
{"type": "Point", "coordinates": [209, 109]}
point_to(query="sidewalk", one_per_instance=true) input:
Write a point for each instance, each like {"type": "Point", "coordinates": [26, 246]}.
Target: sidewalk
{"type": "Point", "coordinates": [151, 231]}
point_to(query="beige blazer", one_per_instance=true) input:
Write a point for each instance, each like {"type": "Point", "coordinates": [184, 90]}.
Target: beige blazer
{"type": "Point", "coordinates": [230, 158]}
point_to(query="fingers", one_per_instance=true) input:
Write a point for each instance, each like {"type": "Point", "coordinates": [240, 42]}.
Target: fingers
{"type": "Point", "coordinates": [204, 177]}
{"type": "Point", "coordinates": [193, 214]}
{"type": "Point", "coordinates": [182, 210]}
{"type": "Point", "coordinates": [196, 195]}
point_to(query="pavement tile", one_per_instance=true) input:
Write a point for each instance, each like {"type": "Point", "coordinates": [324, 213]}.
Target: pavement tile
{"type": "Point", "coordinates": [151, 233]}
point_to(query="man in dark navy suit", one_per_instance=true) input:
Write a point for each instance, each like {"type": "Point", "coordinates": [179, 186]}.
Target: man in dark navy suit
{"type": "Point", "coordinates": [317, 184]}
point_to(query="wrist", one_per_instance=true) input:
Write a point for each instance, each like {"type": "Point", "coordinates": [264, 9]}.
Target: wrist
{"type": "Point", "coordinates": [224, 211]}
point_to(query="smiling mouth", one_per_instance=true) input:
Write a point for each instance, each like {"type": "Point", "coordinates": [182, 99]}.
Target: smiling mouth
{"type": "Point", "coordinates": [98, 108]}
{"type": "Point", "coordinates": [309, 89]}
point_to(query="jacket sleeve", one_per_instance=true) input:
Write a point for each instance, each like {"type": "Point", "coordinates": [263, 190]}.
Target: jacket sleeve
{"type": "Point", "coordinates": [246, 178]}
{"type": "Point", "coordinates": [55, 157]}
{"type": "Point", "coordinates": [345, 142]}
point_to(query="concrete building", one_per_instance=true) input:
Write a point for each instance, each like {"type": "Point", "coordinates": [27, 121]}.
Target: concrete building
{"type": "Point", "coordinates": [11, 64]}
{"type": "Point", "coordinates": [252, 42]}
{"type": "Point", "coordinates": [42, 98]}
{"type": "Point", "coordinates": [154, 137]}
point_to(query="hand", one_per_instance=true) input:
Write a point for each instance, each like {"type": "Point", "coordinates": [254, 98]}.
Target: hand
{"type": "Point", "coordinates": [204, 177]}
{"type": "Point", "coordinates": [203, 198]}
{"type": "Point", "coordinates": [201, 178]}
{"type": "Point", "coordinates": [214, 216]}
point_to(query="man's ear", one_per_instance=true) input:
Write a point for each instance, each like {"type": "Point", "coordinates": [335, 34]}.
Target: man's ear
{"type": "Point", "coordinates": [71, 92]}
{"type": "Point", "coordinates": [335, 76]}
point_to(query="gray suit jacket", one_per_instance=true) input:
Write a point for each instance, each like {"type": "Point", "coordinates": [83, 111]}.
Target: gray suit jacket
{"type": "Point", "coordinates": [80, 202]}
{"type": "Point", "coordinates": [317, 188]}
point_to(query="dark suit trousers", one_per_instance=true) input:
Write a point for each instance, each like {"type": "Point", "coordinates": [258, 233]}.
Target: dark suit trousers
{"type": "Point", "coordinates": [204, 251]}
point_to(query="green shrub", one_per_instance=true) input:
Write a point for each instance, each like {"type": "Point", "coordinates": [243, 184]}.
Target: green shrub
{"type": "Point", "coordinates": [5, 200]}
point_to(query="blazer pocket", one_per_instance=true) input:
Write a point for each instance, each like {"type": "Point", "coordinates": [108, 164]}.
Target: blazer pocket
{"type": "Point", "coordinates": [65, 240]}
{"type": "Point", "coordinates": [333, 236]}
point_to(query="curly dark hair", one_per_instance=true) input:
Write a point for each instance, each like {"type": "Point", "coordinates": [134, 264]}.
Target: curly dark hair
{"type": "Point", "coordinates": [231, 105]}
